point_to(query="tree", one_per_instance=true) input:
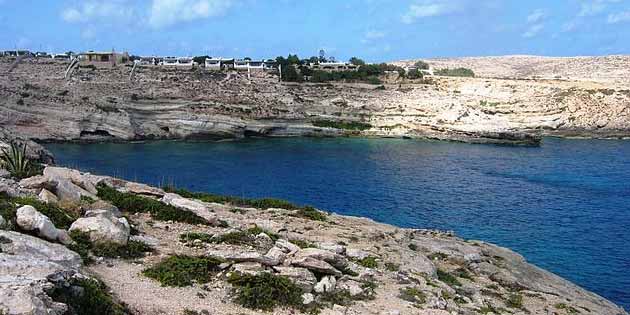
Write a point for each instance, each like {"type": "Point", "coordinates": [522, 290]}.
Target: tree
{"type": "Point", "coordinates": [357, 62]}
{"type": "Point", "coordinates": [200, 59]}
{"type": "Point", "coordinates": [247, 58]}
{"type": "Point", "coordinates": [421, 65]}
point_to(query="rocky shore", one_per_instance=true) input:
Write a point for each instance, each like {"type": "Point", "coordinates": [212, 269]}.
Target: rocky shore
{"type": "Point", "coordinates": [78, 243]}
{"type": "Point", "coordinates": [98, 104]}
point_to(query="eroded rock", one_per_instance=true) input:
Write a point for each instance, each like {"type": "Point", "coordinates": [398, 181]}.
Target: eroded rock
{"type": "Point", "coordinates": [103, 227]}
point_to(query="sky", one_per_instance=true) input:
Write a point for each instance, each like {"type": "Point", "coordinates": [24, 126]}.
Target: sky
{"type": "Point", "coordinates": [374, 30]}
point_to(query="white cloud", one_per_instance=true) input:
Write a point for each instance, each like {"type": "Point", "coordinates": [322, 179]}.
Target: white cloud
{"type": "Point", "coordinates": [533, 30]}
{"type": "Point", "coordinates": [594, 7]}
{"type": "Point", "coordinates": [620, 17]}
{"type": "Point", "coordinates": [536, 16]}
{"type": "Point", "coordinates": [99, 11]}
{"type": "Point", "coordinates": [169, 12]}
{"type": "Point", "coordinates": [428, 9]}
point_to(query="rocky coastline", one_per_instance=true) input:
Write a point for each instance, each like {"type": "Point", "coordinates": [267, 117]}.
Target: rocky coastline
{"type": "Point", "coordinates": [74, 243]}
{"type": "Point", "coordinates": [103, 104]}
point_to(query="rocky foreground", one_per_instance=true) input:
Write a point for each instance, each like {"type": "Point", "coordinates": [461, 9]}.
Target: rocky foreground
{"type": "Point", "coordinates": [36, 101]}
{"type": "Point", "coordinates": [77, 243]}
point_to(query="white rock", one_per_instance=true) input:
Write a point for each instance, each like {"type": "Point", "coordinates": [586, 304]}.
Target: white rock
{"type": "Point", "coordinates": [353, 287]}
{"type": "Point", "coordinates": [48, 197]}
{"type": "Point", "coordinates": [277, 255]}
{"type": "Point", "coordinates": [29, 219]}
{"type": "Point", "coordinates": [37, 182]}
{"type": "Point", "coordinates": [338, 261]}
{"type": "Point", "coordinates": [308, 298]}
{"type": "Point", "coordinates": [103, 227]}
{"type": "Point", "coordinates": [248, 268]}
{"type": "Point", "coordinates": [67, 191]}
{"type": "Point", "coordinates": [287, 247]}
{"type": "Point", "coordinates": [315, 265]}
{"type": "Point", "coordinates": [327, 284]}
{"type": "Point", "coordinates": [335, 248]}
{"type": "Point", "coordinates": [356, 253]}
{"type": "Point", "coordinates": [302, 277]}
{"type": "Point", "coordinates": [194, 206]}
{"type": "Point", "coordinates": [103, 205]}
{"type": "Point", "coordinates": [3, 222]}
{"type": "Point", "coordinates": [151, 241]}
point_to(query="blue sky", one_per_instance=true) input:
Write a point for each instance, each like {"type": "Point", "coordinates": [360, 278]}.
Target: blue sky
{"type": "Point", "coordinates": [376, 30]}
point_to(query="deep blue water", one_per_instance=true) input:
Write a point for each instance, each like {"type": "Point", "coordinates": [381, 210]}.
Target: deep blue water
{"type": "Point", "coordinates": [565, 206]}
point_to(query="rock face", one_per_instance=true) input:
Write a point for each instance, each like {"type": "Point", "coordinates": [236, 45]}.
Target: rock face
{"type": "Point", "coordinates": [484, 109]}
{"type": "Point", "coordinates": [29, 267]}
{"type": "Point", "coordinates": [103, 227]}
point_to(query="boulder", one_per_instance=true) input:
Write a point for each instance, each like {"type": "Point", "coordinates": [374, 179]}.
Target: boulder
{"type": "Point", "coordinates": [48, 197]}
{"type": "Point", "coordinates": [151, 241]}
{"type": "Point", "coordinates": [67, 191]}
{"type": "Point", "coordinates": [338, 261]}
{"type": "Point", "coordinates": [242, 256]}
{"type": "Point", "coordinates": [37, 182]}
{"type": "Point", "coordinates": [30, 267]}
{"type": "Point", "coordinates": [302, 277]}
{"type": "Point", "coordinates": [287, 247]}
{"type": "Point", "coordinates": [103, 227]}
{"type": "Point", "coordinates": [194, 206]}
{"type": "Point", "coordinates": [29, 219]}
{"type": "Point", "coordinates": [315, 265]}
{"type": "Point", "coordinates": [106, 206]}
{"type": "Point", "coordinates": [353, 287]}
{"type": "Point", "coordinates": [263, 241]}
{"type": "Point", "coordinates": [356, 253]}
{"type": "Point", "coordinates": [248, 268]}
{"type": "Point", "coordinates": [3, 223]}
{"type": "Point", "coordinates": [308, 298]}
{"type": "Point", "coordinates": [276, 255]}
{"type": "Point", "coordinates": [4, 173]}
{"type": "Point", "coordinates": [332, 247]}
{"type": "Point", "coordinates": [327, 284]}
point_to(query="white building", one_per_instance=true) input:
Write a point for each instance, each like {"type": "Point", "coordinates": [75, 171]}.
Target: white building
{"type": "Point", "coordinates": [178, 62]}
{"type": "Point", "coordinates": [333, 66]}
{"type": "Point", "coordinates": [219, 63]}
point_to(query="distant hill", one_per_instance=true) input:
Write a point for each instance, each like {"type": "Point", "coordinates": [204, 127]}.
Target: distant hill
{"type": "Point", "coordinates": [601, 69]}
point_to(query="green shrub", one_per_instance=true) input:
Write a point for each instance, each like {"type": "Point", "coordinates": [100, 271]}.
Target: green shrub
{"type": "Point", "coordinates": [83, 246]}
{"type": "Point", "coordinates": [413, 295]}
{"type": "Point", "coordinates": [463, 273]}
{"type": "Point", "coordinates": [136, 204]}
{"type": "Point", "coordinates": [392, 267]}
{"type": "Point", "coordinates": [265, 291]}
{"type": "Point", "coordinates": [368, 262]}
{"type": "Point", "coordinates": [7, 211]}
{"type": "Point", "coordinates": [191, 236]}
{"type": "Point", "coordinates": [448, 278]}
{"type": "Point", "coordinates": [181, 270]}
{"type": "Point", "coordinates": [247, 237]}
{"type": "Point", "coordinates": [348, 125]}
{"type": "Point", "coordinates": [311, 214]}
{"type": "Point", "coordinates": [514, 300]}
{"type": "Point", "coordinates": [413, 247]}
{"type": "Point", "coordinates": [303, 244]}
{"type": "Point", "coordinates": [16, 162]}
{"type": "Point", "coordinates": [93, 299]}
{"type": "Point", "coordinates": [569, 309]}
{"type": "Point", "coordinates": [458, 72]}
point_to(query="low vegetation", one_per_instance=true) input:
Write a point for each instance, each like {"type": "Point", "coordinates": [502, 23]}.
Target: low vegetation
{"type": "Point", "coordinates": [265, 291]}
{"type": "Point", "coordinates": [9, 205]}
{"type": "Point", "coordinates": [448, 278]}
{"type": "Point", "coordinates": [192, 236]}
{"type": "Point", "coordinates": [457, 72]}
{"type": "Point", "coordinates": [368, 262]}
{"type": "Point", "coordinates": [246, 237]}
{"type": "Point", "coordinates": [347, 125]}
{"type": "Point", "coordinates": [136, 204]}
{"type": "Point", "coordinates": [514, 300]}
{"type": "Point", "coordinates": [413, 295]}
{"type": "Point", "coordinates": [17, 163]}
{"type": "Point", "coordinates": [303, 244]}
{"type": "Point", "coordinates": [92, 299]}
{"type": "Point", "coordinates": [83, 246]}
{"type": "Point", "coordinates": [182, 270]}
{"type": "Point", "coordinates": [307, 212]}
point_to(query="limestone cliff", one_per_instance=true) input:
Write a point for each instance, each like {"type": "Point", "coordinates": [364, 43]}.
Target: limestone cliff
{"type": "Point", "coordinates": [103, 103]}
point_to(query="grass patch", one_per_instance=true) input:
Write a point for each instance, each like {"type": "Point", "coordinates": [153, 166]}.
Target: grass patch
{"type": "Point", "coordinates": [60, 218]}
{"type": "Point", "coordinates": [265, 291]}
{"type": "Point", "coordinates": [181, 270]}
{"type": "Point", "coordinates": [514, 300]}
{"type": "Point", "coordinates": [413, 247]}
{"type": "Point", "coordinates": [83, 246]}
{"type": "Point", "coordinates": [457, 72]}
{"type": "Point", "coordinates": [246, 237]}
{"type": "Point", "coordinates": [368, 262]}
{"type": "Point", "coordinates": [346, 125]}
{"type": "Point", "coordinates": [448, 278]}
{"type": "Point", "coordinates": [569, 309]}
{"type": "Point", "coordinates": [303, 244]}
{"type": "Point", "coordinates": [463, 273]}
{"type": "Point", "coordinates": [392, 267]}
{"type": "Point", "coordinates": [93, 299]}
{"type": "Point", "coordinates": [136, 204]}
{"type": "Point", "coordinates": [192, 236]}
{"type": "Point", "coordinates": [311, 214]}
{"type": "Point", "coordinates": [413, 295]}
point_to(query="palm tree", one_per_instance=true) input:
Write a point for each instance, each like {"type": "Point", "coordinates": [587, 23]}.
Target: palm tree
{"type": "Point", "coordinates": [15, 161]}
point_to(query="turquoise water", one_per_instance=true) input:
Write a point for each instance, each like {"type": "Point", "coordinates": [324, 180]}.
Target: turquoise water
{"type": "Point", "coordinates": [565, 205]}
